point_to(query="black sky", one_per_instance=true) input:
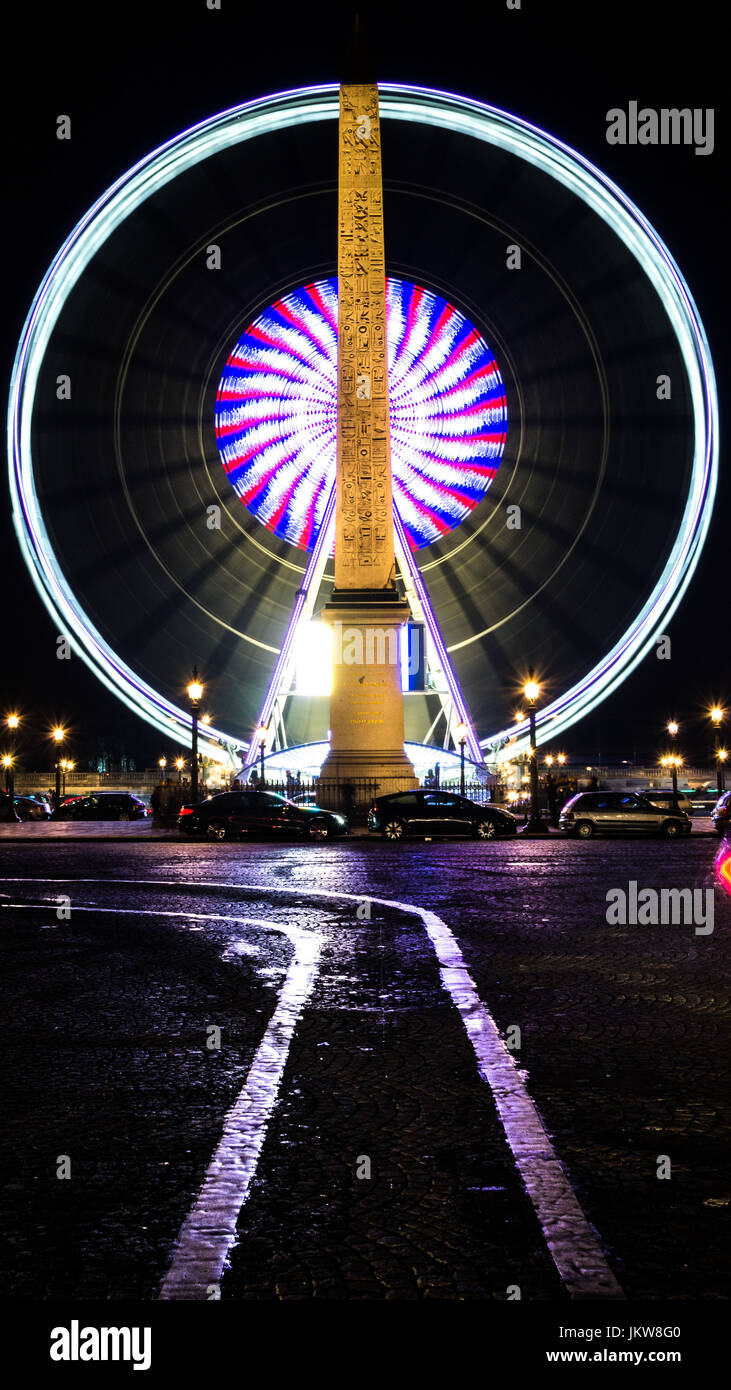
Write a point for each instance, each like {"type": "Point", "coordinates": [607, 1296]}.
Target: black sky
{"type": "Point", "coordinates": [133, 75]}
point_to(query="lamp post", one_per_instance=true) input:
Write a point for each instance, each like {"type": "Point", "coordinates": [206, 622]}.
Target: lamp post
{"type": "Point", "coordinates": [672, 761]}
{"type": "Point", "coordinates": [58, 735]}
{"type": "Point", "coordinates": [195, 695]}
{"type": "Point", "coordinates": [462, 732]}
{"type": "Point", "coordinates": [162, 764]}
{"type": "Point", "coordinates": [534, 825]}
{"type": "Point", "coordinates": [717, 717]}
{"type": "Point", "coordinates": [262, 733]}
{"type": "Point", "coordinates": [7, 762]}
{"type": "Point", "coordinates": [672, 728]}
{"type": "Point", "coordinates": [180, 764]}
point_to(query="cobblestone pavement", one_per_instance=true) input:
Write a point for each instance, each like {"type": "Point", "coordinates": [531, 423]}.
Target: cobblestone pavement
{"type": "Point", "coordinates": [624, 1036]}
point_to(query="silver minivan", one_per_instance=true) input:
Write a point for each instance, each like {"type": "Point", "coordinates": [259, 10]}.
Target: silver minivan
{"type": "Point", "coordinates": [665, 800]}
{"type": "Point", "coordinates": [620, 813]}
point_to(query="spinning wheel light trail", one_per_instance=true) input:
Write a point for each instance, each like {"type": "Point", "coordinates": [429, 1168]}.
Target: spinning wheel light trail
{"type": "Point", "coordinates": [457, 116]}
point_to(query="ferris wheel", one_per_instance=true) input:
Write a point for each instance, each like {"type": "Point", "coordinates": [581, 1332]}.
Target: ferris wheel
{"type": "Point", "coordinates": [553, 415]}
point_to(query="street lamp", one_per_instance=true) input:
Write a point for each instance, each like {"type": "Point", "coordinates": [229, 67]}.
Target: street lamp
{"type": "Point", "coordinates": [672, 728]}
{"type": "Point", "coordinates": [180, 764]}
{"type": "Point", "coordinates": [673, 761]}
{"type": "Point", "coordinates": [534, 825]}
{"type": "Point", "coordinates": [262, 735]}
{"type": "Point", "coordinates": [717, 717]}
{"type": "Point", "coordinates": [461, 732]}
{"type": "Point", "coordinates": [58, 734]}
{"type": "Point", "coordinates": [7, 762]}
{"type": "Point", "coordinates": [561, 758]}
{"type": "Point", "coordinates": [195, 695]}
{"type": "Point", "coordinates": [162, 764]}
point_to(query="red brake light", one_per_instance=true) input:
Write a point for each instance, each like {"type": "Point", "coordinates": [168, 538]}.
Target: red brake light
{"type": "Point", "coordinates": [723, 869]}
{"type": "Point", "coordinates": [185, 811]}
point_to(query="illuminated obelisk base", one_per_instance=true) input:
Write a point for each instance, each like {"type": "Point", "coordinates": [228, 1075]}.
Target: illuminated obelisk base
{"type": "Point", "coordinates": [366, 703]}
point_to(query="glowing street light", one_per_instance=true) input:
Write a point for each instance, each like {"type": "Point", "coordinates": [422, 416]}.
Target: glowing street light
{"type": "Point", "coordinates": [561, 758]}
{"type": "Point", "coordinates": [7, 762]}
{"type": "Point", "coordinates": [672, 728]}
{"type": "Point", "coordinates": [534, 825]}
{"type": "Point", "coordinates": [180, 764]}
{"type": "Point", "coordinates": [162, 763]}
{"type": "Point", "coordinates": [673, 761]}
{"type": "Point", "coordinates": [261, 734]}
{"type": "Point", "coordinates": [58, 735]}
{"type": "Point", "coordinates": [195, 695]}
{"type": "Point", "coordinates": [717, 716]}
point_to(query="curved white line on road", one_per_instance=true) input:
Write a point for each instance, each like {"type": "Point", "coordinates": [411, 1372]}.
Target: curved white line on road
{"type": "Point", "coordinates": [572, 1243]}
{"type": "Point", "coordinates": [208, 1233]}
{"type": "Point", "coordinates": [209, 1230]}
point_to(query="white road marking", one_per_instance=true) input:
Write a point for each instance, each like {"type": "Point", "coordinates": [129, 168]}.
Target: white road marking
{"type": "Point", "coordinates": [209, 1230]}
{"type": "Point", "coordinates": [573, 1245]}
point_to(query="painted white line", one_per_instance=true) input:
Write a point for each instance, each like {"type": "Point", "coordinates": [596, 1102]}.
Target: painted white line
{"type": "Point", "coordinates": [573, 1246]}
{"type": "Point", "coordinates": [209, 1230]}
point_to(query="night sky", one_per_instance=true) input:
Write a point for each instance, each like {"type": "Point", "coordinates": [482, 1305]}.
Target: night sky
{"type": "Point", "coordinates": [132, 76]}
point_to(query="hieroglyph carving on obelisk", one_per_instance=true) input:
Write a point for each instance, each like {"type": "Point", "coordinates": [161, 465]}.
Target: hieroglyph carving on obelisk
{"type": "Point", "coordinates": [364, 546]}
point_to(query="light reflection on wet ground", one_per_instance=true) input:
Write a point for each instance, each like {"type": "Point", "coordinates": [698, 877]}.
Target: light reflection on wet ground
{"type": "Point", "coordinates": [623, 1035]}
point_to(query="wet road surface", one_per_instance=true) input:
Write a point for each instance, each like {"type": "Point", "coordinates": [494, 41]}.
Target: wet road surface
{"type": "Point", "coordinates": [379, 1165]}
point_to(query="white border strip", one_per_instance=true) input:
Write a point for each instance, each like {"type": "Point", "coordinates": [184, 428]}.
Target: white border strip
{"type": "Point", "coordinates": [572, 1243]}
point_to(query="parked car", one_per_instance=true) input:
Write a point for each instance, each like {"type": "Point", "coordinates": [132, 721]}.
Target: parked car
{"type": "Point", "coordinates": [7, 809]}
{"type": "Point", "coordinates": [231, 815]}
{"type": "Point", "coordinates": [436, 812]}
{"type": "Point", "coordinates": [665, 800]}
{"type": "Point", "coordinates": [32, 808]}
{"type": "Point", "coordinates": [721, 813]}
{"type": "Point", "coordinates": [620, 813]}
{"type": "Point", "coordinates": [723, 860]}
{"type": "Point", "coordinates": [103, 806]}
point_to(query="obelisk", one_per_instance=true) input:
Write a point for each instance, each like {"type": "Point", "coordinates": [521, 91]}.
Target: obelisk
{"type": "Point", "coordinates": [365, 608]}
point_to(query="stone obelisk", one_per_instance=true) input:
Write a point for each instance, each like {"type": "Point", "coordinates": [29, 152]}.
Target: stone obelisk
{"type": "Point", "coordinates": [365, 608]}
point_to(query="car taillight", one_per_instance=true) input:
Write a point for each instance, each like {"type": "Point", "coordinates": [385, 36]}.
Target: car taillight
{"type": "Point", "coordinates": [723, 868]}
{"type": "Point", "coordinates": [185, 811]}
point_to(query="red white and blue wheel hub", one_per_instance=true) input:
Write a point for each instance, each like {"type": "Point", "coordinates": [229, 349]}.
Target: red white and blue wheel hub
{"type": "Point", "coordinates": [276, 412]}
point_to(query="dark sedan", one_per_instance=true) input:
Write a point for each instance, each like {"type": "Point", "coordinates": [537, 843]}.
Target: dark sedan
{"type": "Point", "coordinates": [32, 808]}
{"type": "Point", "coordinates": [103, 806]}
{"type": "Point", "coordinates": [437, 813]}
{"type": "Point", "coordinates": [233, 815]}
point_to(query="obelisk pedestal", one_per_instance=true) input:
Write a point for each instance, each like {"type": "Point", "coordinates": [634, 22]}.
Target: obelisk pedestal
{"type": "Point", "coordinates": [365, 609]}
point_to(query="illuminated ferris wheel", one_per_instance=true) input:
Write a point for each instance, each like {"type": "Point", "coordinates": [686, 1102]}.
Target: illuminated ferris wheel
{"type": "Point", "coordinates": [553, 418]}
